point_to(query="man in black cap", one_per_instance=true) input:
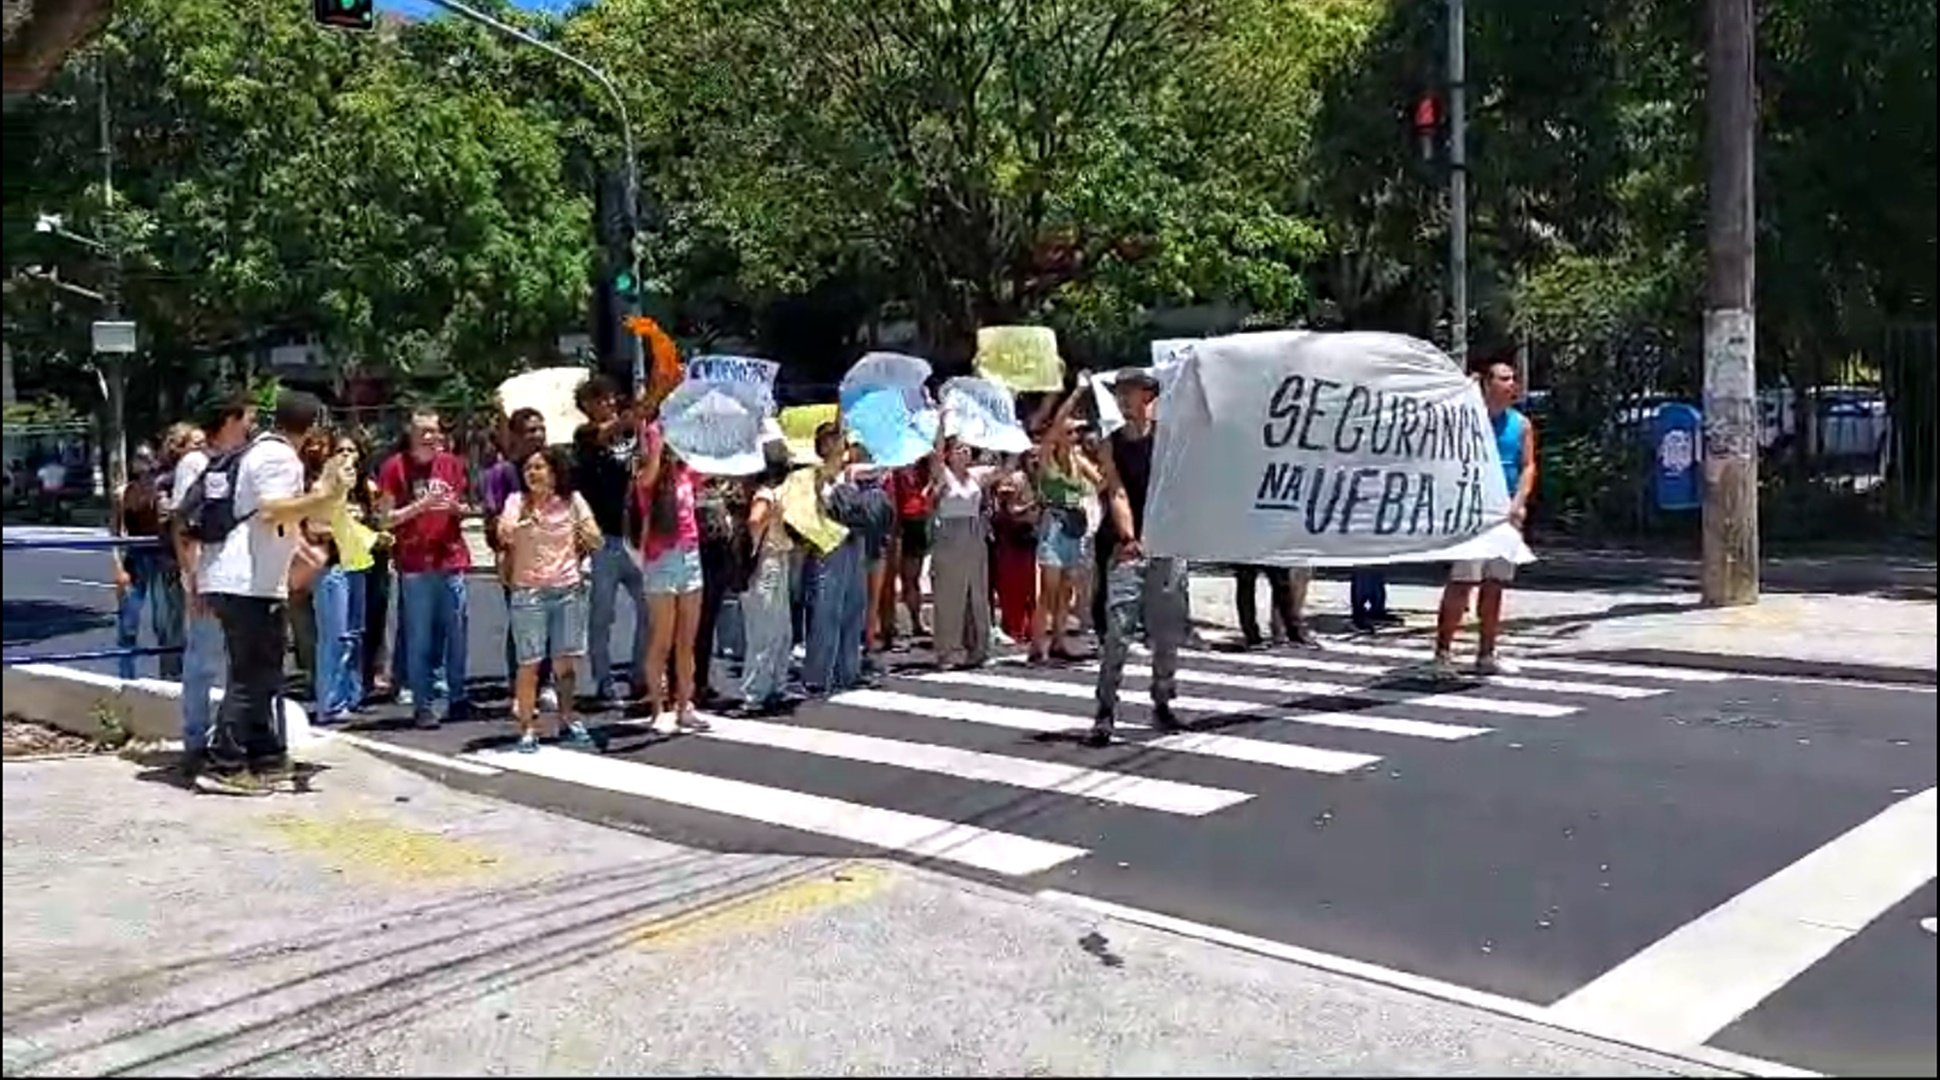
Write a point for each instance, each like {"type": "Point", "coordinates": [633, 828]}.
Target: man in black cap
{"type": "Point", "coordinates": [1139, 588]}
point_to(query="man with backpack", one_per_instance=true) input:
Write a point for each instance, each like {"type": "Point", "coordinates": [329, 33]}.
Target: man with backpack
{"type": "Point", "coordinates": [246, 509]}
{"type": "Point", "coordinates": [204, 659]}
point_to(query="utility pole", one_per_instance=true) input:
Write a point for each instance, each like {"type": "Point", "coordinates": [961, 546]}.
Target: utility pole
{"type": "Point", "coordinates": [1457, 185]}
{"type": "Point", "coordinates": [1730, 574]}
{"type": "Point", "coordinates": [117, 364]}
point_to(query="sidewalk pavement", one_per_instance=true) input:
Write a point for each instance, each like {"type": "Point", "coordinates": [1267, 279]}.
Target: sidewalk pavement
{"type": "Point", "coordinates": [384, 924]}
{"type": "Point", "coordinates": [1813, 635]}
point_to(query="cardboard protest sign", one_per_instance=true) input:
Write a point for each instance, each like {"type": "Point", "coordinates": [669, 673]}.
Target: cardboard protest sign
{"type": "Point", "coordinates": [714, 418]}
{"type": "Point", "coordinates": [881, 420]}
{"type": "Point", "coordinates": [801, 510]}
{"type": "Point", "coordinates": [1329, 449]}
{"type": "Point", "coordinates": [983, 414]}
{"type": "Point", "coordinates": [799, 424]}
{"type": "Point", "coordinates": [1024, 358]}
{"type": "Point", "coordinates": [549, 390]}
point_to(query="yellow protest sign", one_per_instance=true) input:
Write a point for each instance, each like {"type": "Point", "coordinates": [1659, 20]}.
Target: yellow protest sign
{"type": "Point", "coordinates": [798, 424]}
{"type": "Point", "coordinates": [1022, 358]}
{"type": "Point", "coordinates": [801, 510]}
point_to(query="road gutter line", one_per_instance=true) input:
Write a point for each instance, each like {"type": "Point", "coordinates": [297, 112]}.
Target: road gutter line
{"type": "Point", "coordinates": [1409, 982]}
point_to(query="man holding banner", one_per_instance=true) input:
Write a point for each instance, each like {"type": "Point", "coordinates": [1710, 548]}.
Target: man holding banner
{"type": "Point", "coordinates": [1140, 588]}
{"type": "Point", "coordinates": [1515, 441]}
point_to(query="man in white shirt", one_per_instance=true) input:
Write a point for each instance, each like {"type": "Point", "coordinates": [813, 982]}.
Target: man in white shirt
{"type": "Point", "coordinates": [204, 660]}
{"type": "Point", "coordinates": [246, 581]}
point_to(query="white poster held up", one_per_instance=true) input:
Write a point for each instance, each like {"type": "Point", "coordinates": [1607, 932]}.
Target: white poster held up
{"type": "Point", "coordinates": [714, 419]}
{"type": "Point", "coordinates": [1293, 448]}
{"type": "Point", "coordinates": [982, 414]}
{"type": "Point", "coordinates": [552, 392]}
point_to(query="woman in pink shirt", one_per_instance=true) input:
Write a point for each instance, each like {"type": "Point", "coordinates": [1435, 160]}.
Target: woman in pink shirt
{"type": "Point", "coordinates": [670, 545]}
{"type": "Point", "coordinates": [544, 530]}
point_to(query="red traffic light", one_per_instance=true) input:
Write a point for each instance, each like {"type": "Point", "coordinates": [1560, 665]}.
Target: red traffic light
{"type": "Point", "coordinates": [1427, 114]}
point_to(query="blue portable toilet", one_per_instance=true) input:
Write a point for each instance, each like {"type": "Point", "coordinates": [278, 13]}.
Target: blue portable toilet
{"type": "Point", "coordinates": [1677, 436]}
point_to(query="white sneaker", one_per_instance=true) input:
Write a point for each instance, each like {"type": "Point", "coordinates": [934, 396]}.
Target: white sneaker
{"type": "Point", "coordinates": [548, 700]}
{"type": "Point", "coordinates": [406, 698]}
{"type": "Point", "coordinates": [1487, 664]}
{"type": "Point", "coordinates": [1443, 666]}
{"type": "Point", "coordinates": [689, 720]}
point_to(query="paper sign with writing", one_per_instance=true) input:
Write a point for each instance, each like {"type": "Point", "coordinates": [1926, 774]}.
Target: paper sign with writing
{"type": "Point", "coordinates": [1331, 449]}
{"type": "Point", "coordinates": [1024, 358]}
{"type": "Point", "coordinates": [983, 414]}
{"type": "Point", "coordinates": [714, 418]}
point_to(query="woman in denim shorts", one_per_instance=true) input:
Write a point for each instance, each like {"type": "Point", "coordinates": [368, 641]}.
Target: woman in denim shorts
{"type": "Point", "coordinates": [1066, 480]}
{"type": "Point", "coordinates": [671, 547]}
{"type": "Point", "coordinates": [544, 530]}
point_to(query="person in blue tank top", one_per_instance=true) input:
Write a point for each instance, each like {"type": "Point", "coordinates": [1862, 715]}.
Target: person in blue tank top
{"type": "Point", "coordinates": [1515, 438]}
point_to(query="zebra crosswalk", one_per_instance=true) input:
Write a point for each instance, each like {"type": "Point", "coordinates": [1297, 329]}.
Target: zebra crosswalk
{"type": "Point", "coordinates": [1257, 721]}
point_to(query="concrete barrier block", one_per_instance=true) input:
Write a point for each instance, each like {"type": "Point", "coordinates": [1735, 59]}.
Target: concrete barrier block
{"type": "Point", "coordinates": [88, 704]}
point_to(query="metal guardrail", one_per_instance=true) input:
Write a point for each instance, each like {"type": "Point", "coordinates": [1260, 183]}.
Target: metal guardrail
{"type": "Point", "coordinates": [14, 657]}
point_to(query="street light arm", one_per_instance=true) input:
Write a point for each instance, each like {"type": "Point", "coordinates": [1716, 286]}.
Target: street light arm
{"type": "Point", "coordinates": [626, 136]}
{"type": "Point", "coordinates": [598, 76]}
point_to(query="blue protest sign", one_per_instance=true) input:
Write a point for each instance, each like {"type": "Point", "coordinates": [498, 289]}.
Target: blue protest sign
{"type": "Point", "coordinates": [881, 421]}
{"type": "Point", "coordinates": [1676, 436]}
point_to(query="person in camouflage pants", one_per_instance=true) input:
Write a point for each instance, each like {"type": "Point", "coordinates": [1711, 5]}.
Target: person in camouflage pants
{"type": "Point", "coordinates": [1140, 590]}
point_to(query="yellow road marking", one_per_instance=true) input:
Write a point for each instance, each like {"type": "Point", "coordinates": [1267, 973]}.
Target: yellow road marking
{"type": "Point", "coordinates": [765, 908]}
{"type": "Point", "coordinates": [375, 848]}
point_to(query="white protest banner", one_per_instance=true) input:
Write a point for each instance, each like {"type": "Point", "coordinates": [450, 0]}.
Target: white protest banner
{"type": "Point", "coordinates": [1294, 448]}
{"type": "Point", "coordinates": [877, 370]}
{"type": "Point", "coordinates": [714, 418]}
{"type": "Point", "coordinates": [1104, 402]}
{"type": "Point", "coordinates": [982, 414]}
{"type": "Point", "coordinates": [551, 391]}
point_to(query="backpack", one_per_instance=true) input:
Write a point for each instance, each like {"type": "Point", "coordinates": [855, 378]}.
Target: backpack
{"type": "Point", "coordinates": [207, 510]}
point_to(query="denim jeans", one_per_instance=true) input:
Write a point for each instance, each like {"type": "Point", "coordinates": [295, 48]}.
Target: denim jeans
{"type": "Point", "coordinates": [766, 633]}
{"type": "Point", "coordinates": [838, 598]}
{"type": "Point", "coordinates": [205, 664]}
{"type": "Point", "coordinates": [1150, 592]}
{"type": "Point", "coordinates": [434, 627]}
{"type": "Point", "coordinates": [157, 589]}
{"type": "Point", "coordinates": [339, 604]}
{"type": "Point", "coordinates": [1368, 594]}
{"type": "Point", "coordinates": [614, 567]}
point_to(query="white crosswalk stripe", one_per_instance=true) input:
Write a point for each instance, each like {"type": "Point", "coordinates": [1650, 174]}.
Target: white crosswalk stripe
{"type": "Point", "coordinates": [1453, 702]}
{"type": "Point", "coordinates": [967, 845]}
{"type": "Point", "coordinates": [1145, 792]}
{"type": "Point", "coordinates": [1231, 747]}
{"type": "Point", "coordinates": [1375, 671]}
{"type": "Point", "coordinates": [1256, 689]}
{"type": "Point", "coordinates": [1541, 663]}
{"type": "Point", "coordinates": [1187, 703]}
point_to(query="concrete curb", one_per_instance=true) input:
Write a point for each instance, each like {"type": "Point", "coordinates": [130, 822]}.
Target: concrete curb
{"type": "Point", "coordinates": [80, 702]}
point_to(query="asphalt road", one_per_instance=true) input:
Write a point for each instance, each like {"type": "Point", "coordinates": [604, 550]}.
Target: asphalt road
{"type": "Point", "coordinates": [1678, 858]}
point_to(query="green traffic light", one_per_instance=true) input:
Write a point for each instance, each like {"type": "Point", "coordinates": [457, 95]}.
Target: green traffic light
{"type": "Point", "coordinates": [623, 282]}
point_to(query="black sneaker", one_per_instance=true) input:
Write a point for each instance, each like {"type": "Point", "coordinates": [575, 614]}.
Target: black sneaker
{"type": "Point", "coordinates": [427, 721]}
{"type": "Point", "coordinates": [1101, 728]}
{"type": "Point", "coordinates": [1165, 720]}
{"type": "Point", "coordinates": [232, 783]}
{"type": "Point", "coordinates": [1299, 635]}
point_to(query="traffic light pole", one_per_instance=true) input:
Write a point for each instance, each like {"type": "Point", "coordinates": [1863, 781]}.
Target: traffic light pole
{"type": "Point", "coordinates": [1457, 184]}
{"type": "Point", "coordinates": [626, 135]}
